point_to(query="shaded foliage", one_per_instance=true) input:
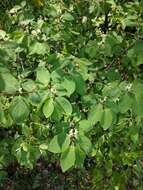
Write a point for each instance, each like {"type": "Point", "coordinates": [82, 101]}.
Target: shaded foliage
{"type": "Point", "coordinates": [71, 85]}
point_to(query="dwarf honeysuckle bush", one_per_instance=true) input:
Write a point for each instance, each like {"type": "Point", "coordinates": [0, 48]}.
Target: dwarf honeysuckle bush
{"type": "Point", "coordinates": [71, 84]}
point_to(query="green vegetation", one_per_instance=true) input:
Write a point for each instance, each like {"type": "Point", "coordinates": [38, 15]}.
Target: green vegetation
{"type": "Point", "coordinates": [71, 92]}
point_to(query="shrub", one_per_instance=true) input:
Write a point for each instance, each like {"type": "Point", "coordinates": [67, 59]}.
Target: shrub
{"type": "Point", "coordinates": [71, 84]}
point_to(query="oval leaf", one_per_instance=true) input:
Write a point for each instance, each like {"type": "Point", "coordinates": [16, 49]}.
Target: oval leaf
{"type": "Point", "coordinates": [69, 85]}
{"type": "Point", "coordinates": [68, 158]}
{"type": "Point", "coordinates": [48, 107]}
{"type": "Point", "coordinates": [125, 103]}
{"type": "Point", "coordinates": [85, 125]}
{"type": "Point", "coordinates": [84, 143]}
{"type": "Point", "coordinates": [65, 104]}
{"type": "Point", "coordinates": [8, 83]}
{"type": "Point", "coordinates": [59, 143]}
{"type": "Point", "coordinates": [95, 114]}
{"type": "Point", "coordinates": [19, 109]}
{"type": "Point", "coordinates": [107, 119]}
{"type": "Point", "coordinates": [43, 75]}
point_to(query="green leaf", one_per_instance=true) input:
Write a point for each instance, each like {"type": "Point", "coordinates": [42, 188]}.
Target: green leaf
{"type": "Point", "coordinates": [85, 125]}
{"type": "Point", "coordinates": [57, 75]}
{"type": "Point", "coordinates": [43, 146]}
{"type": "Point", "coordinates": [84, 143]}
{"type": "Point", "coordinates": [48, 107]}
{"type": "Point", "coordinates": [95, 114]}
{"type": "Point", "coordinates": [80, 84]}
{"type": "Point", "coordinates": [138, 105]}
{"type": "Point", "coordinates": [69, 85]}
{"type": "Point", "coordinates": [138, 97]}
{"type": "Point", "coordinates": [29, 85]}
{"type": "Point", "coordinates": [58, 112]}
{"type": "Point", "coordinates": [67, 17]}
{"type": "Point", "coordinates": [38, 48]}
{"type": "Point", "coordinates": [91, 49]}
{"type": "Point", "coordinates": [26, 131]}
{"type": "Point", "coordinates": [112, 44]}
{"type": "Point", "coordinates": [35, 99]}
{"type": "Point", "coordinates": [2, 34]}
{"type": "Point", "coordinates": [135, 54]}
{"type": "Point", "coordinates": [112, 89]}
{"type": "Point", "coordinates": [107, 119]}
{"type": "Point", "coordinates": [43, 75]}
{"type": "Point", "coordinates": [19, 109]}
{"type": "Point", "coordinates": [65, 105]}
{"type": "Point", "coordinates": [60, 89]}
{"type": "Point", "coordinates": [80, 157]}
{"type": "Point", "coordinates": [125, 104]}
{"type": "Point", "coordinates": [43, 98]}
{"type": "Point", "coordinates": [2, 114]}
{"type": "Point", "coordinates": [5, 119]}
{"type": "Point", "coordinates": [59, 143]}
{"type": "Point", "coordinates": [8, 83]}
{"type": "Point", "coordinates": [68, 158]}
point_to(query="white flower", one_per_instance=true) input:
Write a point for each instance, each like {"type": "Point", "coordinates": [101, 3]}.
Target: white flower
{"type": "Point", "coordinates": [128, 87]}
{"type": "Point", "coordinates": [84, 20]}
{"type": "Point", "coordinates": [20, 90]}
{"type": "Point", "coordinates": [102, 100]}
{"type": "Point", "coordinates": [24, 22]}
{"type": "Point", "coordinates": [34, 33]}
{"type": "Point", "coordinates": [116, 100]}
{"type": "Point", "coordinates": [96, 68]}
{"type": "Point", "coordinates": [105, 98]}
{"type": "Point", "coordinates": [53, 90]}
{"type": "Point", "coordinates": [73, 133]}
{"type": "Point", "coordinates": [14, 10]}
{"type": "Point", "coordinates": [44, 38]}
{"type": "Point", "coordinates": [38, 31]}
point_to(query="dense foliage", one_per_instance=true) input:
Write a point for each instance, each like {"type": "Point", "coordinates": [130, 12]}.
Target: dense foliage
{"type": "Point", "coordinates": [71, 84]}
